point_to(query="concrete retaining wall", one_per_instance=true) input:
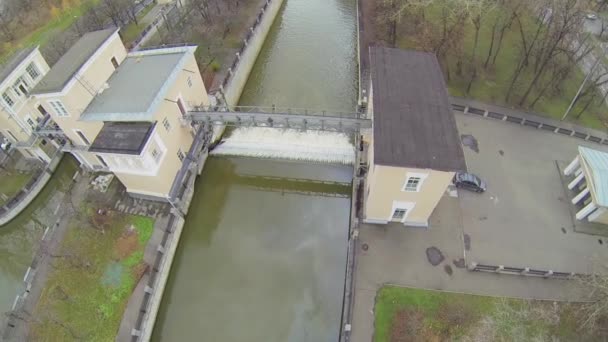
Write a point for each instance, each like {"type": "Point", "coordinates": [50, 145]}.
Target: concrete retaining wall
{"type": "Point", "coordinates": [241, 67]}
{"type": "Point", "coordinates": [10, 211]}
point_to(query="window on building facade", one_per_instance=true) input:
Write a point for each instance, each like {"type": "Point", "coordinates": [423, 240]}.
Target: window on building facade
{"type": "Point", "coordinates": [31, 122]}
{"type": "Point", "coordinates": [412, 184]}
{"type": "Point", "coordinates": [189, 82]}
{"type": "Point", "coordinates": [33, 71]}
{"type": "Point", "coordinates": [21, 87]}
{"type": "Point", "coordinates": [182, 108]}
{"type": "Point", "coordinates": [181, 155]}
{"type": "Point", "coordinates": [167, 124]}
{"type": "Point", "coordinates": [399, 214]}
{"type": "Point", "coordinates": [114, 62]}
{"type": "Point", "coordinates": [82, 137]}
{"type": "Point", "coordinates": [8, 99]}
{"type": "Point", "coordinates": [156, 155]}
{"type": "Point", "coordinates": [101, 160]}
{"type": "Point", "coordinates": [59, 108]}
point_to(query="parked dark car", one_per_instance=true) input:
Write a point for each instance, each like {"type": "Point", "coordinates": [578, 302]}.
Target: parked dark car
{"type": "Point", "coordinates": [469, 181]}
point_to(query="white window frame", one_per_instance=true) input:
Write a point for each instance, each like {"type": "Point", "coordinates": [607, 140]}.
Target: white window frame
{"type": "Point", "coordinates": [34, 68]}
{"type": "Point", "coordinates": [6, 98]}
{"type": "Point", "coordinates": [397, 205]}
{"type": "Point", "coordinates": [421, 178]}
{"type": "Point", "coordinates": [59, 108]}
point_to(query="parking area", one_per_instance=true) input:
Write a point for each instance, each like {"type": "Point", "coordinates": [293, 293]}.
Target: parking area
{"type": "Point", "coordinates": [524, 218]}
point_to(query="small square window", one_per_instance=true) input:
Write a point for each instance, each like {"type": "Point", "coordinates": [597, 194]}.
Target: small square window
{"type": "Point", "coordinates": [33, 71]}
{"type": "Point", "coordinates": [7, 99]}
{"type": "Point", "coordinates": [399, 214]}
{"type": "Point", "coordinates": [167, 124]}
{"type": "Point", "coordinates": [59, 108]}
{"type": "Point", "coordinates": [156, 155]}
{"type": "Point", "coordinates": [181, 155]}
{"type": "Point", "coordinates": [412, 184]}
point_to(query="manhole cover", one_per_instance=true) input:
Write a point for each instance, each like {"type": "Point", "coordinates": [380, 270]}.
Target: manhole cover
{"type": "Point", "coordinates": [434, 255]}
{"type": "Point", "coordinates": [364, 247]}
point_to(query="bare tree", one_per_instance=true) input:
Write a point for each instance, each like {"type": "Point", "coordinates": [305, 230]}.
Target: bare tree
{"type": "Point", "coordinates": [594, 314]}
{"type": "Point", "coordinates": [555, 42]}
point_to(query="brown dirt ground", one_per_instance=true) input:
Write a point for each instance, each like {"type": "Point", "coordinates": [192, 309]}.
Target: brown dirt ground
{"type": "Point", "coordinates": [127, 244]}
{"type": "Point", "coordinates": [408, 326]}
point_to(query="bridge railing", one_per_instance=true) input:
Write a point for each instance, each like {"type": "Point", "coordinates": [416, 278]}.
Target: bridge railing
{"type": "Point", "coordinates": [278, 110]}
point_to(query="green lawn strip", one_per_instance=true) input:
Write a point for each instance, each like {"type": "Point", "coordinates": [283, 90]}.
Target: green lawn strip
{"type": "Point", "coordinates": [130, 32]}
{"type": "Point", "coordinates": [492, 83]}
{"type": "Point", "coordinates": [88, 289]}
{"type": "Point", "coordinates": [453, 316]}
{"type": "Point", "coordinates": [11, 183]}
{"type": "Point", "coordinates": [42, 35]}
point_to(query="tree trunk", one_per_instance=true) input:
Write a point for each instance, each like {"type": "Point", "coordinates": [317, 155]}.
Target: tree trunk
{"type": "Point", "coordinates": [485, 65]}
{"type": "Point", "coordinates": [580, 113]}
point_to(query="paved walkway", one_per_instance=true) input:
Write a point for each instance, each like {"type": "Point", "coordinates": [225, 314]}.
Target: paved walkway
{"type": "Point", "coordinates": [397, 255]}
{"type": "Point", "coordinates": [43, 260]}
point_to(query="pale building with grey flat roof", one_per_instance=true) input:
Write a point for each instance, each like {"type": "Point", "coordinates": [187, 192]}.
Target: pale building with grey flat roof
{"type": "Point", "coordinates": [123, 112]}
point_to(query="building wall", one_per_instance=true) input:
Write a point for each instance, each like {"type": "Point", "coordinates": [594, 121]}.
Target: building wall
{"type": "Point", "coordinates": [385, 187]}
{"type": "Point", "coordinates": [15, 117]}
{"type": "Point", "coordinates": [79, 92]}
{"type": "Point", "coordinates": [179, 136]}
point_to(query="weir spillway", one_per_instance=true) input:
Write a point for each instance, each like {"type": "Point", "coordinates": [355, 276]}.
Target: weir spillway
{"type": "Point", "coordinates": [262, 254]}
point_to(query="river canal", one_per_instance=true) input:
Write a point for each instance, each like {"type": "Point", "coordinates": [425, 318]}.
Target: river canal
{"type": "Point", "coordinates": [20, 237]}
{"type": "Point", "coordinates": [264, 260]}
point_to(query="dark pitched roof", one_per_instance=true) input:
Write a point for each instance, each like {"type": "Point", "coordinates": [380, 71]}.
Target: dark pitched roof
{"type": "Point", "coordinates": [122, 137]}
{"type": "Point", "coordinates": [7, 68]}
{"type": "Point", "coordinates": [414, 125]}
{"type": "Point", "coordinates": [69, 64]}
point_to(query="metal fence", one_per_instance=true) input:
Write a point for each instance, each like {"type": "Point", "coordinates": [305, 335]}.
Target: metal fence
{"type": "Point", "coordinates": [524, 271]}
{"type": "Point", "coordinates": [244, 44]}
{"type": "Point", "coordinates": [535, 121]}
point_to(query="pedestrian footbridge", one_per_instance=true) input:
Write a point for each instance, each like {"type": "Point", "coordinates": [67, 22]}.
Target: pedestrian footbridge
{"type": "Point", "coordinates": [296, 118]}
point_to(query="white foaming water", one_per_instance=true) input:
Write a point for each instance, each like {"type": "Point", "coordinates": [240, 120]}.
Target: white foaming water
{"type": "Point", "coordinates": [261, 142]}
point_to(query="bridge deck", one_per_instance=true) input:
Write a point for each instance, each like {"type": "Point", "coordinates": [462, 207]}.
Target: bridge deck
{"type": "Point", "coordinates": [281, 118]}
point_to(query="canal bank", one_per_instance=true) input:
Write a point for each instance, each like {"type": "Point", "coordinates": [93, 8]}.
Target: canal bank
{"type": "Point", "coordinates": [20, 238]}
{"type": "Point", "coordinates": [262, 258]}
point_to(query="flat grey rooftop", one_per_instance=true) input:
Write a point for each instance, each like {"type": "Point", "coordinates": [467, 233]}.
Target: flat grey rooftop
{"type": "Point", "coordinates": [69, 64]}
{"type": "Point", "coordinates": [7, 68]}
{"type": "Point", "coordinates": [122, 137]}
{"type": "Point", "coordinates": [413, 121]}
{"type": "Point", "coordinates": [133, 88]}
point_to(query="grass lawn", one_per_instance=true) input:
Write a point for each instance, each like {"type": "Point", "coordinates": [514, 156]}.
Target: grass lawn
{"type": "Point", "coordinates": [493, 82]}
{"type": "Point", "coordinates": [406, 314]}
{"type": "Point", "coordinates": [92, 279]}
{"type": "Point", "coordinates": [11, 183]}
{"type": "Point", "coordinates": [130, 32]}
{"type": "Point", "coordinates": [42, 34]}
